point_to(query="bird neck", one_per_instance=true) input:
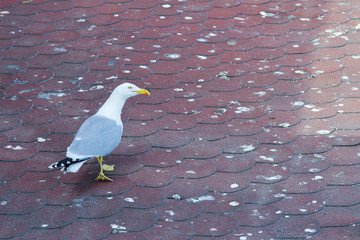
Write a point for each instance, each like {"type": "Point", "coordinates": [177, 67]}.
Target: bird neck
{"type": "Point", "coordinates": [112, 107]}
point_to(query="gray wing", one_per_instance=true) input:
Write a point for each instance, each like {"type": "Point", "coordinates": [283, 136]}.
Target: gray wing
{"type": "Point", "coordinates": [97, 136]}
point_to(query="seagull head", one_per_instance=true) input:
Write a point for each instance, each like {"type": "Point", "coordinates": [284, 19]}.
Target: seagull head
{"type": "Point", "coordinates": [114, 104]}
{"type": "Point", "coordinates": [129, 90]}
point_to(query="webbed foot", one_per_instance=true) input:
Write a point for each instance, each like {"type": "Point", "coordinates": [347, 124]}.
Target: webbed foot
{"type": "Point", "coordinates": [106, 167]}
{"type": "Point", "coordinates": [102, 177]}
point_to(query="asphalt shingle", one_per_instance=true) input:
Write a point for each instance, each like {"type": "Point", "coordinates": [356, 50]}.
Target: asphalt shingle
{"type": "Point", "coordinates": [250, 131]}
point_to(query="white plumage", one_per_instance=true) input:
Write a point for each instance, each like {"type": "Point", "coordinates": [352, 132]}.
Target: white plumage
{"type": "Point", "coordinates": [100, 134]}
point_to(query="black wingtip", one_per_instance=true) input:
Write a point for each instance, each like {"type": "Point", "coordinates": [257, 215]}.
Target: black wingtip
{"type": "Point", "coordinates": [65, 163]}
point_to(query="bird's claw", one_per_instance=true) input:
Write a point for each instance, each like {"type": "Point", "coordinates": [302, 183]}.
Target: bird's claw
{"type": "Point", "coordinates": [102, 177]}
{"type": "Point", "coordinates": [106, 167]}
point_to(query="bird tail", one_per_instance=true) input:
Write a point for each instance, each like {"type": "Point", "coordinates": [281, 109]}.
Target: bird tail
{"type": "Point", "coordinates": [69, 164]}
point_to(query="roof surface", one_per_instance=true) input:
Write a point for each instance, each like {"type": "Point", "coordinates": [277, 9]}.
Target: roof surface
{"type": "Point", "coordinates": [251, 130]}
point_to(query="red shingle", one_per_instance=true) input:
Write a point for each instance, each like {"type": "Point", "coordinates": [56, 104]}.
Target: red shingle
{"type": "Point", "coordinates": [250, 130]}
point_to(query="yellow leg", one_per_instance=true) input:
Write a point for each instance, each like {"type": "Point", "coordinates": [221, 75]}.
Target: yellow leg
{"type": "Point", "coordinates": [102, 176]}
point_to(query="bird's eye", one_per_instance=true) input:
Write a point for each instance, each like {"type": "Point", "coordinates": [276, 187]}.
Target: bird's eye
{"type": "Point", "coordinates": [129, 87]}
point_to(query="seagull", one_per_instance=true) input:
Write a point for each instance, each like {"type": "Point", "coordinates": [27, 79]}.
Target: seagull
{"type": "Point", "coordinates": [100, 134]}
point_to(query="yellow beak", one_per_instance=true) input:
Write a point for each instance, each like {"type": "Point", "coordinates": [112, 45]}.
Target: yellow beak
{"type": "Point", "coordinates": [143, 91]}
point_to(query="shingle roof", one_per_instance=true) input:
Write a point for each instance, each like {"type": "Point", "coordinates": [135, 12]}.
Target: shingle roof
{"type": "Point", "coordinates": [250, 132]}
